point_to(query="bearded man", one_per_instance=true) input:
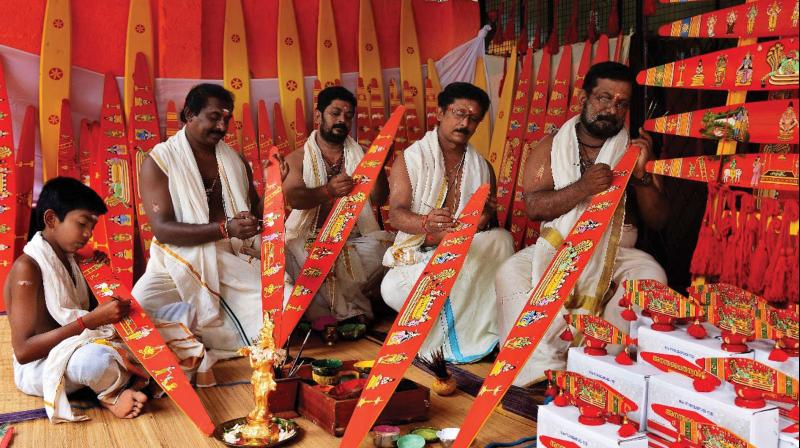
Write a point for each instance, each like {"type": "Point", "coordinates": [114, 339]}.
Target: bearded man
{"type": "Point", "coordinates": [562, 174]}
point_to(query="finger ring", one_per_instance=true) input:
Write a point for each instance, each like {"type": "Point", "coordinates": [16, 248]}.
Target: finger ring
{"type": "Point", "coordinates": [439, 224]}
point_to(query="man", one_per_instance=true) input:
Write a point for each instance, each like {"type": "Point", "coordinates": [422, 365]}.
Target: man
{"type": "Point", "coordinates": [430, 184]}
{"type": "Point", "coordinates": [319, 174]}
{"type": "Point", "coordinates": [202, 205]}
{"type": "Point", "coordinates": [562, 174]}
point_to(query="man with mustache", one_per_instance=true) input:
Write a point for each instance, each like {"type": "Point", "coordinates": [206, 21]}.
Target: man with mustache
{"type": "Point", "coordinates": [199, 196]}
{"type": "Point", "coordinates": [430, 184]}
{"type": "Point", "coordinates": [319, 174]}
{"type": "Point", "coordinates": [562, 174]}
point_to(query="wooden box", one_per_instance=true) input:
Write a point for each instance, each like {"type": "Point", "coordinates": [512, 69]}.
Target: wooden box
{"type": "Point", "coordinates": [409, 403]}
{"type": "Point", "coordinates": [283, 401]}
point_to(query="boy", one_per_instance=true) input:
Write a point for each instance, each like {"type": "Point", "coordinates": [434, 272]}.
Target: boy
{"type": "Point", "coordinates": [62, 339]}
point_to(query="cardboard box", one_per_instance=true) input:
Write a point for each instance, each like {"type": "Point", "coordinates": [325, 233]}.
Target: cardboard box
{"type": "Point", "coordinates": [763, 347]}
{"type": "Point", "coordinates": [757, 426]}
{"type": "Point", "coordinates": [678, 342]}
{"type": "Point", "coordinates": [562, 423]}
{"type": "Point", "coordinates": [788, 439]}
{"type": "Point", "coordinates": [630, 381]}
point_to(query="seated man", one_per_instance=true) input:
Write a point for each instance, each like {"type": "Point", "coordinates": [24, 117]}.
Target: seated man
{"type": "Point", "coordinates": [61, 338]}
{"type": "Point", "coordinates": [202, 205]}
{"type": "Point", "coordinates": [430, 184]}
{"type": "Point", "coordinates": [318, 174]}
{"type": "Point", "coordinates": [563, 172]}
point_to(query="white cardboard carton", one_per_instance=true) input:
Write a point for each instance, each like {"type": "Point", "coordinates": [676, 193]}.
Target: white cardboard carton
{"type": "Point", "coordinates": [787, 439]}
{"type": "Point", "coordinates": [763, 347]}
{"type": "Point", "coordinates": [630, 381]}
{"type": "Point", "coordinates": [562, 423]}
{"type": "Point", "coordinates": [678, 342]}
{"type": "Point", "coordinates": [757, 426]}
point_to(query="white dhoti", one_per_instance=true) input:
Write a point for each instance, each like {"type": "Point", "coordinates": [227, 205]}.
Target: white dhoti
{"type": "Point", "coordinates": [346, 291]}
{"type": "Point", "coordinates": [514, 285]}
{"type": "Point", "coordinates": [216, 279]}
{"type": "Point", "coordinates": [467, 326]}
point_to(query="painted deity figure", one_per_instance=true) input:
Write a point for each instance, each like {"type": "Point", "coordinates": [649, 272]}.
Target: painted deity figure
{"type": "Point", "coordinates": [741, 125]}
{"type": "Point", "coordinates": [757, 165]}
{"type": "Point", "coordinates": [744, 74]}
{"type": "Point", "coordinates": [263, 356]}
{"type": "Point", "coordinates": [730, 20]}
{"type": "Point", "coordinates": [795, 14]}
{"type": "Point", "coordinates": [698, 79]}
{"type": "Point", "coordinates": [788, 123]}
{"type": "Point", "coordinates": [721, 70]}
{"type": "Point", "coordinates": [710, 24]}
{"type": "Point", "coordinates": [752, 13]}
{"type": "Point", "coordinates": [772, 13]}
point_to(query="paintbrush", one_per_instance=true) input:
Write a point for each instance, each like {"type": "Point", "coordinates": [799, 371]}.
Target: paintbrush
{"type": "Point", "coordinates": [300, 351]}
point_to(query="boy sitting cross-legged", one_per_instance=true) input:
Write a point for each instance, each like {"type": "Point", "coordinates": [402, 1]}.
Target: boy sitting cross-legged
{"type": "Point", "coordinates": [62, 339]}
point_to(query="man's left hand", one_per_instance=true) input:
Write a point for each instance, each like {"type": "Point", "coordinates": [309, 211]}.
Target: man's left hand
{"type": "Point", "coordinates": [645, 144]}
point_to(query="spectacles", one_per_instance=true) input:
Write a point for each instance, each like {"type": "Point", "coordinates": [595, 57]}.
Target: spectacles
{"type": "Point", "coordinates": [462, 112]}
{"type": "Point", "coordinates": [605, 101]}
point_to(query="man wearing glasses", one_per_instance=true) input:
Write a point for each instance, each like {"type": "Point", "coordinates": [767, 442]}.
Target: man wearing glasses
{"type": "Point", "coordinates": [562, 173]}
{"type": "Point", "coordinates": [429, 185]}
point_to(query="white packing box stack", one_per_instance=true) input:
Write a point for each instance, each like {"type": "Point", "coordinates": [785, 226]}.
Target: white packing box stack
{"type": "Point", "coordinates": [679, 342]}
{"type": "Point", "coordinates": [763, 347]}
{"type": "Point", "coordinates": [562, 423]}
{"type": "Point", "coordinates": [630, 381]}
{"type": "Point", "coordinates": [757, 426]}
{"type": "Point", "coordinates": [788, 439]}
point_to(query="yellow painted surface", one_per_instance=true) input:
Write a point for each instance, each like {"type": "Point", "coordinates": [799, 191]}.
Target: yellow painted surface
{"type": "Point", "coordinates": [504, 111]}
{"type": "Point", "coordinates": [327, 49]}
{"type": "Point", "coordinates": [290, 67]}
{"type": "Point", "coordinates": [480, 139]}
{"type": "Point", "coordinates": [138, 40]}
{"type": "Point", "coordinates": [410, 62]}
{"type": "Point", "coordinates": [433, 75]}
{"type": "Point", "coordinates": [54, 77]}
{"type": "Point", "coordinates": [235, 65]}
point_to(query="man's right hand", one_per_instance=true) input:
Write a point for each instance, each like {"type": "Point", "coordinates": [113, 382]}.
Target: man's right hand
{"type": "Point", "coordinates": [596, 179]}
{"type": "Point", "coordinates": [439, 220]}
{"type": "Point", "coordinates": [110, 312]}
{"type": "Point", "coordinates": [243, 226]}
{"type": "Point", "coordinates": [340, 185]}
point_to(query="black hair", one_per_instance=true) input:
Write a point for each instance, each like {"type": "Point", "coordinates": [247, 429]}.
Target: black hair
{"type": "Point", "coordinates": [464, 90]}
{"type": "Point", "coordinates": [63, 195]}
{"type": "Point", "coordinates": [198, 96]}
{"type": "Point", "coordinates": [333, 93]}
{"type": "Point", "coordinates": [607, 70]}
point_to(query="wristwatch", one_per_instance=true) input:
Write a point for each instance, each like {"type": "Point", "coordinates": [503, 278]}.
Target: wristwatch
{"type": "Point", "coordinates": [643, 181]}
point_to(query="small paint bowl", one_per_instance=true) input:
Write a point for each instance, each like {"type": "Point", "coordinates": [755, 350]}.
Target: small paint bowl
{"type": "Point", "coordinates": [447, 436]}
{"type": "Point", "coordinates": [426, 432]}
{"type": "Point", "coordinates": [411, 441]}
{"type": "Point", "coordinates": [385, 436]}
{"type": "Point", "coordinates": [325, 380]}
{"type": "Point", "coordinates": [326, 367]}
{"type": "Point", "coordinates": [364, 367]}
{"type": "Point", "coordinates": [351, 332]}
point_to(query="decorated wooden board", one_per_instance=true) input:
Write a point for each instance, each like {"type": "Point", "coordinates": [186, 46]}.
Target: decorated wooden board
{"type": "Point", "coordinates": [85, 152]}
{"type": "Point", "coordinates": [763, 18]}
{"type": "Point", "coordinates": [480, 139]}
{"type": "Point", "coordinates": [415, 127]}
{"type": "Point", "coordinates": [55, 67]}
{"type": "Point", "coordinates": [369, 55]}
{"type": "Point", "coordinates": [560, 93]}
{"type": "Point", "coordinates": [602, 50]}
{"type": "Point", "coordinates": [67, 156]}
{"type": "Point", "coordinates": [376, 106]}
{"type": "Point", "coordinates": [173, 122]}
{"type": "Point", "coordinates": [773, 121]}
{"type": "Point", "coordinates": [273, 256]}
{"type": "Point", "coordinates": [290, 68]}
{"type": "Point", "coordinates": [144, 341]}
{"type": "Point", "coordinates": [762, 171]}
{"type": "Point", "coordinates": [364, 134]}
{"type": "Point", "coordinates": [250, 147]}
{"type": "Point", "coordinates": [25, 179]}
{"type": "Point", "coordinates": [430, 104]}
{"type": "Point", "coordinates": [112, 180]}
{"type": "Point", "coordinates": [139, 40]}
{"type": "Point", "coordinates": [300, 133]}
{"type": "Point", "coordinates": [143, 134]}
{"type": "Point", "coordinates": [433, 75]}
{"type": "Point", "coordinates": [415, 320]}
{"type": "Point", "coordinates": [8, 185]}
{"type": "Point", "coordinates": [334, 233]}
{"type": "Point", "coordinates": [701, 380]}
{"type": "Point", "coordinates": [503, 115]}
{"type": "Point", "coordinates": [577, 85]}
{"type": "Point", "coordinates": [769, 65]}
{"type": "Point", "coordinates": [752, 380]}
{"type": "Point", "coordinates": [401, 136]}
{"type": "Point", "coordinates": [552, 442]}
{"type": "Point", "coordinates": [515, 138]}
{"type": "Point", "coordinates": [235, 64]}
{"type": "Point", "coordinates": [547, 298]}
{"type": "Point", "coordinates": [281, 140]}
{"type": "Point", "coordinates": [411, 64]}
{"type": "Point", "coordinates": [265, 141]}
{"type": "Point", "coordinates": [328, 71]}
{"type": "Point", "coordinates": [534, 132]}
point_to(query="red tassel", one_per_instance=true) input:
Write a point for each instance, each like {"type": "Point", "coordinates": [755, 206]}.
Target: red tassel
{"type": "Point", "coordinates": [627, 429]}
{"type": "Point", "coordinates": [498, 34]}
{"type": "Point", "coordinates": [551, 391]}
{"type": "Point", "coordinates": [794, 414]}
{"type": "Point", "coordinates": [625, 302]}
{"type": "Point", "coordinates": [561, 400]}
{"type": "Point", "coordinates": [613, 20]}
{"type": "Point", "coordinates": [777, 354]}
{"type": "Point", "coordinates": [702, 251]}
{"type": "Point", "coordinates": [571, 36]}
{"type": "Point", "coordinates": [552, 41]}
{"type": "Point", "coordinates": [537, 37]}
{"type": "Point", "coordinates": [649, 8]}
{"type": "Point", "coordinates": [761, 256]}
{"type": "Point", "coordinates": [730, 260]}
{"type": "Point", "coordinates": [779, 276]}
{"type": "Point", "coordinates": [508, 33]}
{"type": "Point", "coordinates": [522, 40]}
{"type": "Point", "coordinates": [591, 27]}
{"type": "Point", "coordinates": [706, 384]}
{"type": "Point", "coordinates": [623, 358]}
{"type": "Point", "coordinates": [566, 335]}
{"type": "Point", "coordinates": [697, 330]}
{"type": "Point", "coordinates": [629, 315]}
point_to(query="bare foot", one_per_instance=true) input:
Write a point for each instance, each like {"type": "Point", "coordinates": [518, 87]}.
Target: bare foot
{"type": "Point", "coordinates": [128, 405]}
